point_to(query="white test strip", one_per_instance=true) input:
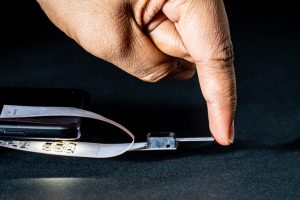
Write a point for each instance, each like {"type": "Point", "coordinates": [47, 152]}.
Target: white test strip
{"type": "Point", "coordinates": [197, 139]}
{"type": "Point", "coordinates": [74, 148]}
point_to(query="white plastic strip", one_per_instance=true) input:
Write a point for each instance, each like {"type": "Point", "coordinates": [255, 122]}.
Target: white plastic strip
{"type": "Point", "coordinates": [95, 150]}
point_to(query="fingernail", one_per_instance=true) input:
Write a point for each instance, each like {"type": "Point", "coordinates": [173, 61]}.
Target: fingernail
{"type": "Point", "coordinates": [232, 133]}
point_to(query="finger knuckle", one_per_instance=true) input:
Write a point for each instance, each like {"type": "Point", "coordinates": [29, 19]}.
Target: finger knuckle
{"type": "Point", "coordinates": [222, 62]}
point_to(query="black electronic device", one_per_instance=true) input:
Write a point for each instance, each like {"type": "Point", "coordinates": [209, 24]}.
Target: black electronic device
{"type": "Point", "coordinates": [49, 128]}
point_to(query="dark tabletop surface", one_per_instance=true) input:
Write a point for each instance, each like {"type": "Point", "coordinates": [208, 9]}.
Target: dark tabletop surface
{"type": "Point", "coordinates": [263, 163]}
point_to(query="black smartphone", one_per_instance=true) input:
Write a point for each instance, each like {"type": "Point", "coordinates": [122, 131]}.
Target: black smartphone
{"type": "Point", "coordinates": [49, 128]}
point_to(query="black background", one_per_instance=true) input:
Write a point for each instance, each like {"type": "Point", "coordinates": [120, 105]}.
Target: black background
{"type": "Point", "coordinates": [263, 163]}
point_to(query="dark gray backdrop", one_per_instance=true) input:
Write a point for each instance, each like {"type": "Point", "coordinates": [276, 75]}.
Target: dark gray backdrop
{"type": "Point", "coordinates": [264, 162]}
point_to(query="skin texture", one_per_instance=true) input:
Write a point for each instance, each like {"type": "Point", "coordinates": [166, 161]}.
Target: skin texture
{"type": "Point", "coordinates": [157, 39]}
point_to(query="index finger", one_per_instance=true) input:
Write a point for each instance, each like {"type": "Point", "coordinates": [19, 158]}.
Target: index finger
{"type": "Point", "coordinates": [204, 29]}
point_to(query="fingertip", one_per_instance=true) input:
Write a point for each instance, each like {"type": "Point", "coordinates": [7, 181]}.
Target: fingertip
{"type": "Point", "coordinates": [222, 127]}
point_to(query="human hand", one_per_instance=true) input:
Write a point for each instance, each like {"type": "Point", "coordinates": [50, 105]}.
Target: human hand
{"type": "Point", "coordinates": [155, 39]}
